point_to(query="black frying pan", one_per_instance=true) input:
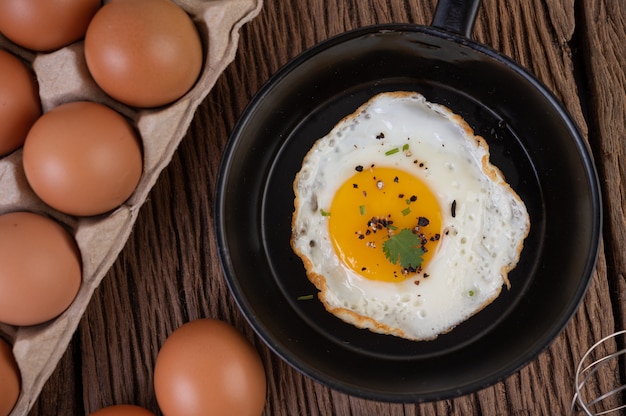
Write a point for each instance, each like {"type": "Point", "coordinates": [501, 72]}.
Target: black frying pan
{"type": "Point", "coordinates": [532, 140]}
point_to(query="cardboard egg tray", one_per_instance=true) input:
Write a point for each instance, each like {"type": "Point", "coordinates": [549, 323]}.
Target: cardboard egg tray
{"type": "Point", "coordinates": [63, 77]}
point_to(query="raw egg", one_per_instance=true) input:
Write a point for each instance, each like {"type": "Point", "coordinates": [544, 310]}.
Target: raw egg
{"type": "Point", "coordinates": [144, 53]}
{"type": "Point", "coordinates": [40, 268]}
{"type": "Point", "coordinates": [122, 410]}
{"type": "Point", "coordinates": [19, 101]}
{"type": "Point", "coordinates": [44, 25]}
{"type": "Point", "coordinates": [83, 158]}
{"type": "Point", "coordinates": [9, 379]}
{"type": "Point", "coordinates": [206, 367]}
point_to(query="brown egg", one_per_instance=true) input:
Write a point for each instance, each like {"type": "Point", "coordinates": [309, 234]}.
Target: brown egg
{"type": "Point", "coordinates": [44, 25]}
{"type": "Point", "coordinates": [19, 101]}
{"type": "Point", "coordinates": [206, 367]}
{"type": "Point", "coordinates": [83, 158]}
{"type": "Point", "coordinates": [122, 410]}
{"type": "Point", "coordinates": [144, 53]}
{"type": "Point", "coordinates": [40, 268]}
{"type": "Point", "coordinates": [9, 379]}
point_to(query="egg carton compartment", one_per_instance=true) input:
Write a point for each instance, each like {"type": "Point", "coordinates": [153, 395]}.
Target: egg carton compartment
{"type": "Point", "coordinates": [63, 77]}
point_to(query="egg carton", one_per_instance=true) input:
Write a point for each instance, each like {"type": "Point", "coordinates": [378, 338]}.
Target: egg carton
{"type": "Point", "coordinates": [63, 77]}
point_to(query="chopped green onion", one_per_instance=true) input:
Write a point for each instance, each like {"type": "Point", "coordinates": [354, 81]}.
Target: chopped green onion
{"type": "Point", "coordinates": [305, 297]}
{"type": "Point", "coordinates": [471, 293]}
{"type": "Point", "coordinates": [392, 151]}
{"type": "Point", "coordinates": [324, 213]}
{"type": "Point", "coordinates": [405, 147]}
{"type": "Point", "coordinates": [362, 209]}
{"type": "Point", "coordinates": [392, 227]}
{"type": "Point", "coordinates": [406, 211]}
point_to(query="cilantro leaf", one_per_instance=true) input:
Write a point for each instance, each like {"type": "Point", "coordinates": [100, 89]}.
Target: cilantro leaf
{"type": "Point", "coordinates": [404, 247]}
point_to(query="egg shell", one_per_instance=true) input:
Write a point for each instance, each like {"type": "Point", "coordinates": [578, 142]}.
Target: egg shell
{"type": "Point", "coordinates": [44, 25]}
{"type": "Point", "coordinates": [63, 77]}
{"type": "Point", "coordinates": [9, 379]}
{"type": "Point", "coordinates": [82, 158]}
{"type": "Point", "coordinates": [206, 367]}
{"type": "Point", "coordinates": [19, 101]}
{"type": "Point", "coordinates": [145, 53]}
{"type": "Point", "coordinates": [40, 268]}
{"type": "Point", "coordinates": [122, 410]}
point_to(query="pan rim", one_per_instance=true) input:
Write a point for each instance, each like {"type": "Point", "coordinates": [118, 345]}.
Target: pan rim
{"type": "Point", "coordinates": [222, 239]}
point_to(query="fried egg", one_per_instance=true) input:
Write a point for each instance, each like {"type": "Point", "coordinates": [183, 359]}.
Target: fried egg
{"type": "Point", "coordinates": [401, 221]}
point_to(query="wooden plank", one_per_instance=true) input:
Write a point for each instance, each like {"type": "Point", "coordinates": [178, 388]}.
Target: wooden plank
{"type": "Point", "coordinates": [604, 54]}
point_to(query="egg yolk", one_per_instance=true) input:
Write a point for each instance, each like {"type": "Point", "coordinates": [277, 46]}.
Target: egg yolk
{"type": "Point", "coordinates": [374, 205]}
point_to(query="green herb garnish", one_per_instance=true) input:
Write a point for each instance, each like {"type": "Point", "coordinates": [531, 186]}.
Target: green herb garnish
{"type": "Point", "coordinates": [324, 213]}
{"type": "Point", "coordinates": [305, 297]}
{"type": "Point", "coordinates": [362, 209]}
{"type": "Point", "coordinates": [405, 248]}
{"type": "Point", "coordinates": [406, 211]}
{"type": "Point", "coordinates": [392, 151]}
{"type": "Point", "coordinates": [405, 147]}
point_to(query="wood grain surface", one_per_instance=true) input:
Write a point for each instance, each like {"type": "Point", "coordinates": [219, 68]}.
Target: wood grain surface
{"type": "Point", "coordinates": [169, 272]}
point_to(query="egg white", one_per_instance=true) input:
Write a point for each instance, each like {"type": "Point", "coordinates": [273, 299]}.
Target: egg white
{"type": "Point", "coordinates": [482, 235]}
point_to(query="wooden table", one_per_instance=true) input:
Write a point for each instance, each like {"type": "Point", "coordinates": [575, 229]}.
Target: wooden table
{"type": "Point", "coordinates": [169, 271]}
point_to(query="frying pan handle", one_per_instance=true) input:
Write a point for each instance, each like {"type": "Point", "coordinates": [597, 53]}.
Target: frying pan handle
{"type": "Point", "coordinates": [456, 16]}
